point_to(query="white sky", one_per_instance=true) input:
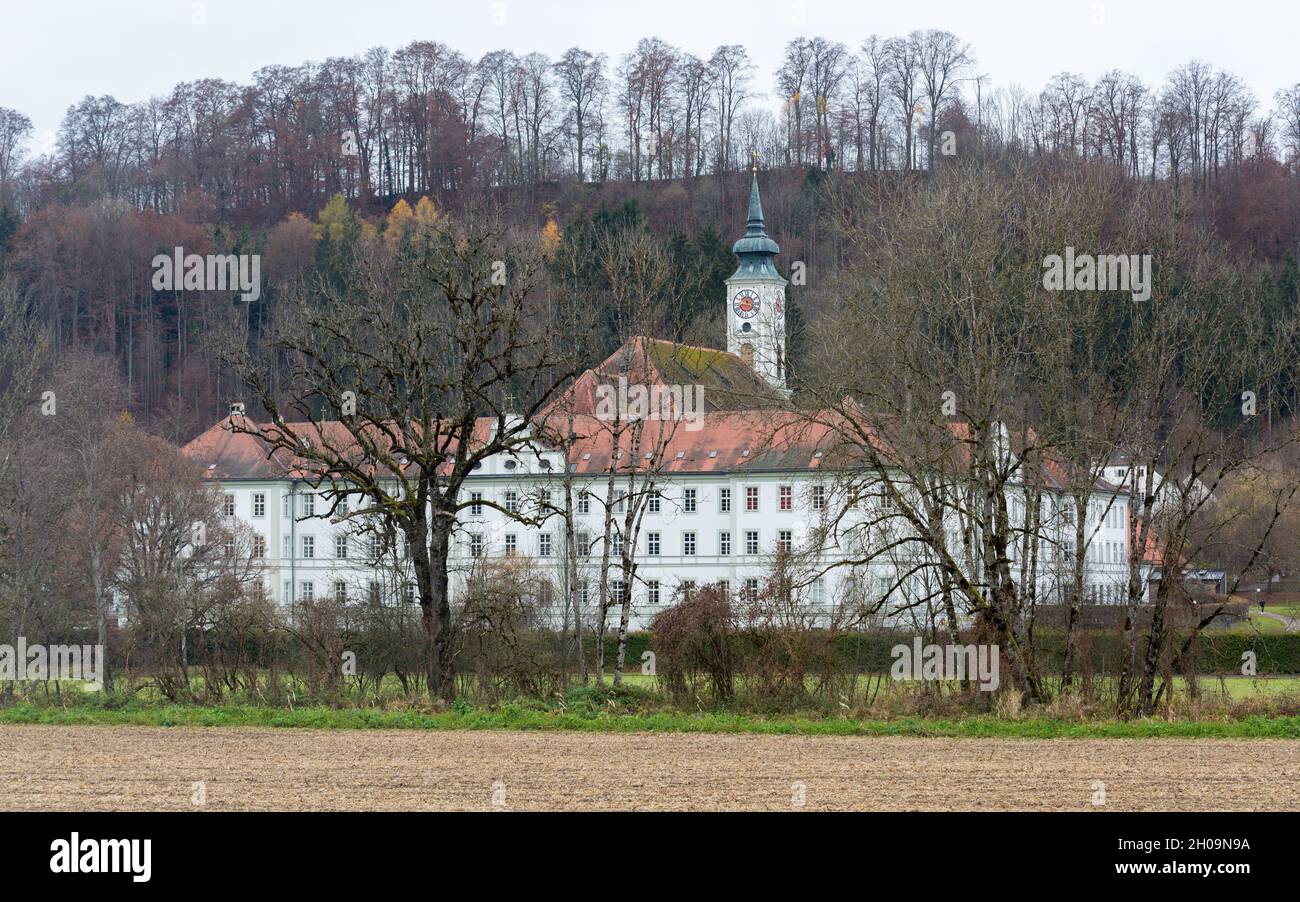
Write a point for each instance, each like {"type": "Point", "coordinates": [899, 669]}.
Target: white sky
{"type": "Point", "coordinates": [54, 52]}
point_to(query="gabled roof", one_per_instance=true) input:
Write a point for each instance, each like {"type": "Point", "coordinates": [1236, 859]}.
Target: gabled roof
{"type": "Point", "coordinates": [725, 381]}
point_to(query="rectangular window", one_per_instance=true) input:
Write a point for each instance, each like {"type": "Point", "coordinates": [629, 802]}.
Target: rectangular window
{"type": "Point", "coordinates": [286, 547]}
{"type": "Point", "coordinates": [724, 543]}
{"type": "Point", "coordinates": [751, 589]}
{"type": "Point", "coordinates": [785, 497]}
{"type": "Point", "coordinates": [476, 504]}
{"type": "Point", "coordinates": [751, 541]}
{"type": "Point", "coordinates": [288, 591]}
{"type": "Point", "coordinates": [228, 504]}
{"type": "Point", "coordinates": [751, 497]}
{"type": "Point", "coordinates": [652, 543]}
{"type": "Point", "coordinates": [308, 546]}
{"type": "Point", "coordinates": [512, 502]}
{"type": "Point", "coordinates": [408, 592]}
{"type": "Point", "coordinates": [652, 591]}
{"type": "Point", "coordinates": [725, 586]}
{"type": "Point", "coordinates": [688, 544]}
{"type": "Point", "coordinates": [308, 590]}
{"type": "Point", "coordinates": [886, 499]}
{"type": "Point", "coordinates": [372, 592]}
{"type": "Point", "coordinates": [342, 507]}
{"type": "Point", "coordinates": [818, 592]}
{"type": "Point", "coordinates": [286, 505]}
{"type": "Point", "coordinates": [583, 541]}
{"type": "Point", "coordinates": [688, 500]}
{"type": "Point", "coordinates": [376, 548]}
{"type": "Point", "coordinates": [724, 501]}
{"type": "Point", "coordinates": [785, 540]}
{"type": "Point", "coordinates": [653, 502]}
{"type": "Point", "coordinates": [544, 545]}
{"type": "Point", "coordinates": [340, 590]}
{"type": "Point", "coordinates": [309, 505]}
{"type": "Point", "coordinates": [819, 497]}
{"type": "Point", "coordinates": [512, 544]}
{"type": "Point", "coordinates": [584, 503]}
{"type": "Point", "coordinates": [341, 546]}
{"type": "Point", "coordinates": [619, 499]}
{"type": "Point", "coordinates": [259, 547]}
{"type": "Point", "coordinates": [616, 591]}
{"type": "Point", "coordinates": [259, 504]}
{"type": "Point", "coordinates": [476, 544]}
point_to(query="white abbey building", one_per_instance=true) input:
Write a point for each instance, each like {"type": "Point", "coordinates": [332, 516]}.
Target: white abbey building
{"type": "Point", "coordinates": [733, 486]}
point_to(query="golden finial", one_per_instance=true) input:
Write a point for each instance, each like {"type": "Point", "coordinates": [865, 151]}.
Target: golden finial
{"type": "Point", "coordinates": [753, 155]}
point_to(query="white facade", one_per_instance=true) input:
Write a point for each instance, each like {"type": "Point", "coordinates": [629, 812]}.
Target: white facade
{"type": "Point", "coordinates": [709, 528]}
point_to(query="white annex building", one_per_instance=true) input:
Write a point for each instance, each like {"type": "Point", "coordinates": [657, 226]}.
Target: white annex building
{"type": "Point", "coordinates": [733, 486]}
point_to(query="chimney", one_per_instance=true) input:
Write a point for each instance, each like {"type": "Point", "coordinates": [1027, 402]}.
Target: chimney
{"type": "Point", "coordinates": [236, 409]}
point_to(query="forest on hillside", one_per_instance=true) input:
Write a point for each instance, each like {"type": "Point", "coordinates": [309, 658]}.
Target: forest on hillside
{"type": "Point", "coordinates": [301, 163]}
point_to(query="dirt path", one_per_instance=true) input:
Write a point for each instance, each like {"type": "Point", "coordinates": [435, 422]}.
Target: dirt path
{"type": "Point", "coordinates": [121, 768]}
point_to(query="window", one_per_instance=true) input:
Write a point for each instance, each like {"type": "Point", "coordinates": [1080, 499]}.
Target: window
{"type": "Point", "coordinates": [341, 546]}
{"type": "Point", "coordinates": [259, 547]}
{"type": "Point", "coordinates": [616, 548]}
{"type": "Point", "coordinates": [308, 546]}
{"type": "Point", "coordinates": [476, 544]}
{"type": "Point", "coordinates": [724, 543]}
{"type": "Point", "coordinates": [751, 541]}
{"type": "Point", "coordinates": [286, 505]}
{"type": "Point", "coordinates": [286, 547]}
{"type": "Point", "coordinates": [512, 502]}
{"type": "Point", "coordinates": [724, 501]}
{"type": "Point", "coordinates": [307, 590]}
{"type": "Point", "coordinates": [259, 504]}
{"type": "Point", "coordinates": [886, 499]}
{"type": "Point", "coordinates": [288, 591]}
{"type": "Point", "coordinates": [228, 504]}
{"type": "Point", "coordinates": [476, 504]}
{"type": "Point", "coordinates": [309, 505]}
{"type": "Point", "coordinates": [544, 545]}
{"type": "Point", "coordinates": [512, 544]}
{"type": "Point", "coordinates": [819, 497]}
{"type": "Point", "coordinates": [340, 590]}
{"type": "Point", "coordinates": [583, 541]}
{"type": "Point", "coordinates": [688, 544]}
{"type": "Point", "coordinates": [584, 503]}
{"type": "Point", "coordinates": [687, 587]}
{"type": "Point", "coordinates": [785, 497]}
{"type": "Point", "coordinates": [616, 591]}
{"type": "Point", "coordinates": [652, 591]}
{"type": "Point", "coordinates": [342, 506]}
{"type": "Point", "coordinates": [376, 548]}
{"type": "Point", "coordinates": [785, 540]}
{"type": "Point", "coordinates": [751, 589]}
{"type": "Point", "coordinates": [817, 592]}
{"type": "Point", "coordinates": [372, 592]}
{"type": "Point", "coordinates": [688, 500]}
{"type": "Point", "coordinates": [725, 586]}
{"type": "Point", "coordinates": [652, 543]}
{"type": "Point", "coordinates": [228, 546]}
{"type": "Point", "coordinates": [408, 592]}
{"type": "Point", "coordinates": [619, 499]}
{"type": "Point", "coordinates": [751, 497]}
{"type": "Point", "coordinates": [652, 502]}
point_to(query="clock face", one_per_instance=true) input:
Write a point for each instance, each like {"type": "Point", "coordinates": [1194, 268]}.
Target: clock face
{"type": "Point", "coordinates": [745, 303]}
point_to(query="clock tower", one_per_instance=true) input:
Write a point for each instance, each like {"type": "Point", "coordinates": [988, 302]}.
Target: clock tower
{"type": "Point", "coordinates": [756, 299]}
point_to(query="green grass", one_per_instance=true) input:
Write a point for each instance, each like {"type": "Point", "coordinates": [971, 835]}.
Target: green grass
{"type": "Point", "coordinates": [518, 717]}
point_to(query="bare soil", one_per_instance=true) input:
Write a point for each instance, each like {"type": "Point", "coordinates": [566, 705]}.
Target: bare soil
{"type": "Point", "coordinates": [147, 768]}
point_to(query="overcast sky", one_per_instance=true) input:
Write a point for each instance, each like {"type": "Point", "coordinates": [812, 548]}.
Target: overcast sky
{"type": "Point", "coordinates": [54, 52]}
